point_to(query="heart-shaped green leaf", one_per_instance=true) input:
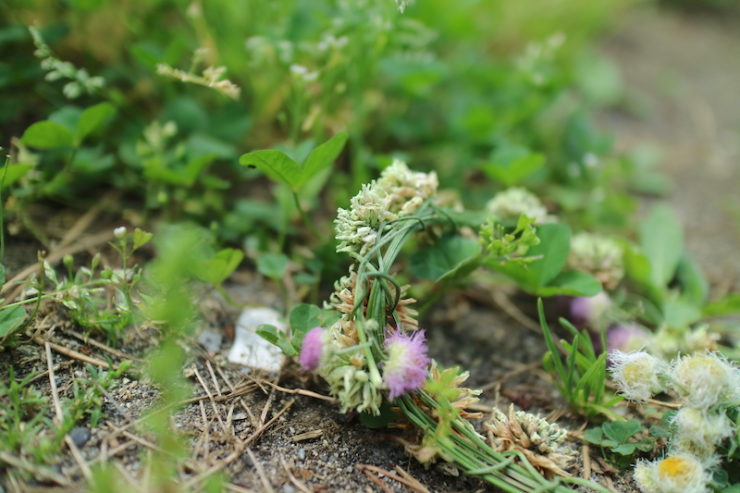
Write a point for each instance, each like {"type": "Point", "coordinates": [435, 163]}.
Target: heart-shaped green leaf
{"type": "Point", "coordinates": [280, 167]}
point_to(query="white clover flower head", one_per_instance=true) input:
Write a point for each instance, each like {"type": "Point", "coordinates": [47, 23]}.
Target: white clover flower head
{"type": "Point", "coordinates": [636, 374]}
{"type": "Point", "coordinates": [680, 473]}
{"type": "Point", "coordinates": [509, 204]}
{"type": "Point", "coordinates": [699, 432]}
{"type": "Point", "coordinates": [398, 193]}
{"type": "Point", "coordinates": [703, 380]}
{"type": "Point", "coordinates": [598, 255]}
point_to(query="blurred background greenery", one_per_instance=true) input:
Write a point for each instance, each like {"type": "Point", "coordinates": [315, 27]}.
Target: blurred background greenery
{"type": "Point", "coordinates": [489, 94]}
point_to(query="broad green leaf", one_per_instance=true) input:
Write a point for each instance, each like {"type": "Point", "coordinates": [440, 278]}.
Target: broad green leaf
{"type": "Point", "coordinates": [571, 283]}
{"type": "Point", "coordinates": [625, 448]}
{"type": "Point", "coordinates": [638, 270]}
{"type": "Point", "coordinates": [322, 157]}
{"type": "Point", "coordinates": [280, 167]}
{"type": "Point", "coordinates": [11, 173]}
{"type": "Point", "coordinates": [659, 432]}
{"type": "Point", "coordinates": [680, 313]}
{"type": "Point", "coordinates": [553, 247]}
{"type": "Point", "coordinates": [92, 119]}
{"type": "Point", "coordinates": [271, 334]}
{"type": "Point", "coordinates": [277, 165]}
{"type": "Point", "coordinates": [272, 265]}
{"type": "Point", "coordinates": [47, 135]}
{"type": "Point", "coordinates": [695, 286]}
{"type": "Point", "coordinates": [11, 319]}
{"type": "Point", "coordinates": [593, 435]}
{"type": "Point", "coordinates": [141, 238]}
{"type": "Point", "coordinates": [304, 317]}
{"type": "Point", "coordinates": [621, 431]}
{"type": "Point", "coordinates": [661, 239]}
{"type": "Point", "coordinates": [726, 306]}
{"type": "Point", "coordinates": [447, 255]}
{"type": "Point", "coordinates": [218, 268]}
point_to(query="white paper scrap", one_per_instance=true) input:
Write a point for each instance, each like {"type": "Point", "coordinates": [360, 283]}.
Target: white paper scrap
{"type": "Point", "coordinates": [251, 350]}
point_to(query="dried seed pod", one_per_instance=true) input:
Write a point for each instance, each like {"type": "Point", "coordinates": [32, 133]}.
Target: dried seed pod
{"type": "Point", "coordinates": [541, 442]}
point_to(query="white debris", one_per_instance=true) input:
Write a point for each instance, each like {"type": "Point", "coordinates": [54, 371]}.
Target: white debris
{"type": "Point", "coordinates": [211, 340]}
{"type": "Point", "coordinates": [251, 350]}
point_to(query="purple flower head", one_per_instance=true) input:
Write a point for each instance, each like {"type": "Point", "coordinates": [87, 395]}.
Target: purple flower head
{"type": "Point", "coordinates": [310, 355]}
{"type": "Point", "coordinates": [406, 368]}
{"type": "Point", "coordinates": [589, 309]}
{"type": "Point", "coordinates": [626, 337]}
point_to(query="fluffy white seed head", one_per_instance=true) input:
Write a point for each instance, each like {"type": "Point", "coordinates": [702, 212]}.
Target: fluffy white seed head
{"type": "Point", "coordinates": [699, 432]}
{"type": "Point", "coordinates": [681, 473]}
{"type": "Point", "coordinates": [636, 374]}
{"type": "Point", "coordinates": [704, 380]}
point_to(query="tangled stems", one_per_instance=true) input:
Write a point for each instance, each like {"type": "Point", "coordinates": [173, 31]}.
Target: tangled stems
{"type": "Point", "coordinates": [377, 296]}
{"type": "Point", "coordinates": [476, 458]}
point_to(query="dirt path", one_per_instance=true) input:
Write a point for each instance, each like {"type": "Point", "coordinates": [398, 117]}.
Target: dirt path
{"type": "Point", "coordinates": [682, 70]}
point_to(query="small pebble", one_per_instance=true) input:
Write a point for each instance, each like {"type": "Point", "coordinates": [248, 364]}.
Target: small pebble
{"type": "Point", "coordinates": [79, 435]}
{"type": "Point", "coordinates": [301, 453]}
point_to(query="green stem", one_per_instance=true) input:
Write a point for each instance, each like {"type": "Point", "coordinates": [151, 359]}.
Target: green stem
{"type": "Point", "coordinates": [304, 216]}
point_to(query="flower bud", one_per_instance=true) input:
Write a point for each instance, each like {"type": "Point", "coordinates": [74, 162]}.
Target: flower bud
{"type": "Point", "coordinates": [636, 374]}
{"type": "Point", "coordinates": [311, 349]}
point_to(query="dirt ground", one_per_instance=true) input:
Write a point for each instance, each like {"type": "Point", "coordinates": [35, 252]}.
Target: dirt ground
{"type": "Point", "coordinates": [681, 72]}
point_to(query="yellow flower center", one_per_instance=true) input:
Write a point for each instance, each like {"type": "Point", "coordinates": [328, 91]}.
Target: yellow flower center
{"type": "Point", "coordinates": [633, 372]}
{"type": "Point", "coordinates": [673, 467]}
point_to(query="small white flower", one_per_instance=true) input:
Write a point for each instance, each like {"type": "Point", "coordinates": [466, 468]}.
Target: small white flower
{"type": "Point", "coordinates": [398, 193]}
{"type": "Point", "coordinates": [698, 432]}
{"type": "Point", "coordinates": [679, 473]}
{"type": "Point", "coordinates": [119, 232]}
{"type": "Point", "coordinates": [704, 380]}
{"type": "Point", "coordinates": [636, 374]}
{"type": "Point", "coordinates": [509, 204]}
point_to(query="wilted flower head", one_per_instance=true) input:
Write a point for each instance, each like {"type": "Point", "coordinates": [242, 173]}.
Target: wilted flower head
{"type": "Point", "coordinates": [542, 442]}
{"type": "Point", "coordinates": [599, 256]}
{"type": "Point", "coordinates": [407, 365]}
{"type": "Point", "coordinates": [704, 380]}
{"type": "Point", "coordinates": [589, 309]}
{"type": "Point", "coordinates": [626, 337]}
{"type": "Point", "coordinates": [681, 473]}
{"type": "Point", "coordinates": [699, 432]}
{"type": "Point", "coordinates": [636, 374]}
{"type": "Point", "coordinates": [509, 204]}
{"type": "Point", "coordinates": [398, 193]}
{"type": "Point", "coordinates": [313, 343]}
